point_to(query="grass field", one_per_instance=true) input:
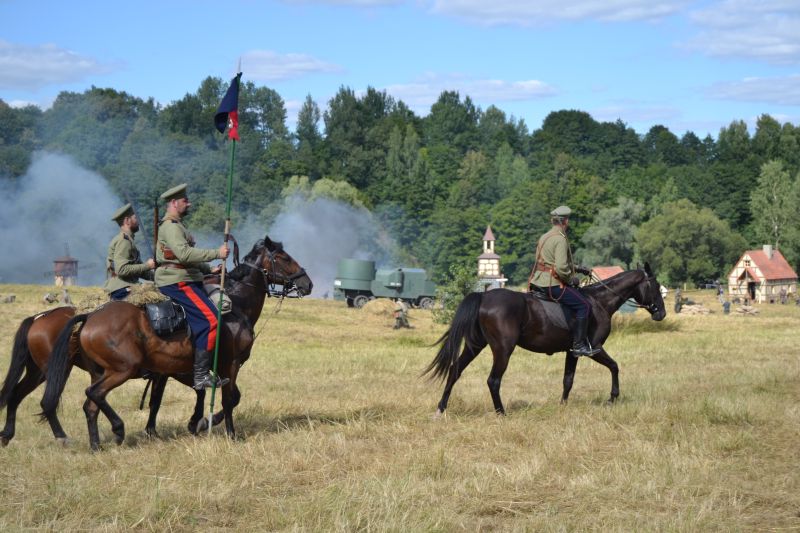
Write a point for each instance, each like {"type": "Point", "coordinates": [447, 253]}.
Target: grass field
{"type": "Point", "coordinates": [337, 435]}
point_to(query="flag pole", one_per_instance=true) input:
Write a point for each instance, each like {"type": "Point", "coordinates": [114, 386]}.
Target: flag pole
{"type": "Point", "coordinates": [232, 123]}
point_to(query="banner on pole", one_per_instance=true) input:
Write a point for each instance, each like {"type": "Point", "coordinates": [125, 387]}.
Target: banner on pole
{"type": "Point", "coordinates": [228, 111]}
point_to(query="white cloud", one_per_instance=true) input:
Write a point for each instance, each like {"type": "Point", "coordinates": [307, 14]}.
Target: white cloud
{"type": "Point", "coordinates": [780, 91]}
{"type": "Point", "coordinates": [424, 93]}
{"type": "Point", "coordinates": [536, 12]}
{"type": "Point", "coordinates": [765, 30]}
{"type": "Point", "coordinates": [266, 65]}
{"type": "Point", "coordinates": [24, 67]}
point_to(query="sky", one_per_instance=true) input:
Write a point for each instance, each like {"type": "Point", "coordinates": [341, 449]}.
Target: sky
{"type": "Point", "coordinates": [690, 66]}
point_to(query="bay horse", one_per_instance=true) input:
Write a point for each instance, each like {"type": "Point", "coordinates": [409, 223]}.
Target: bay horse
{"type": "Point", "coordinates": [33, 343]}
{"type": "Point", "coordinates": [504, 319]}
{"type": "Point", "coordinates": [119, 339]}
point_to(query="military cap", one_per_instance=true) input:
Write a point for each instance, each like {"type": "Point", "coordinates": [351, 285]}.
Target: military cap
{"type": "Point", "coordinates": [178, 191]}
{"type": "Point", "coordinates": [124, 211]}
{"type": "Point", "coordinates": [561, 211]}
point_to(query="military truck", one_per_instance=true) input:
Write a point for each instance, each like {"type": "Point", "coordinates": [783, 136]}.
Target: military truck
{"type": "Point", "coordinates": [357, 282]}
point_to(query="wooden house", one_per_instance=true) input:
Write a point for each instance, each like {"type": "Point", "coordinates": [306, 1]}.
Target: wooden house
{"type": "Point", "coordinates": [759, 275]}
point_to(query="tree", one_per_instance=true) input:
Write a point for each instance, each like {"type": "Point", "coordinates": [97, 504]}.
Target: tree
{"type": "Point", "coordinates": [771, 202]}
{"type": "Point", "coordinates": [610, 239]}
{"type": "Point", "coordinates": [688, 244]}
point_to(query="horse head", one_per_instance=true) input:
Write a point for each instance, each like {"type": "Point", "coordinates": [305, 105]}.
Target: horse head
{"type": "Point", "coordinates": [648, 295]}
{"type": "Point", "coordinates": [280, 268]}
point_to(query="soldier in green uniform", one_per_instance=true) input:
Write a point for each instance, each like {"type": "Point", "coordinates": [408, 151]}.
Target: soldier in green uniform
{"type": "Point", "coordinates": [124, 264]}
{"type": "Point", "coordinates": [179, 275]}
{"type": "Point", "coordinates": [553, 276]}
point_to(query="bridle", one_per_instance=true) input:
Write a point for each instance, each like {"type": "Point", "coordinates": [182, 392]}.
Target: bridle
{"type": "Point", "coordinates": [652, 307]}
{"type": "Point", "coordinates": [273, 278]}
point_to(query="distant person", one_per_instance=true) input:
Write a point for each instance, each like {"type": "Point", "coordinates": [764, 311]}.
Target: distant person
{"type": "Point", "coordinates": [678, 300]}
{"type": "Point", "coordinates": [553, 276]}
{"type": "Point", "coordinates": [784, 295]}
{"type": "Point", "coordinates": [179, 275]}
{"type": "Point", "coordinates": [400, 314]}
{"type": "Point", "coordinates": [726, 307]}
{"type": "Point", "coordinates": [124, 265]}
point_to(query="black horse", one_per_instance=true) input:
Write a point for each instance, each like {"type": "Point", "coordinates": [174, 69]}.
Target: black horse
{"type": "Point", "coordinates": [504, 319]}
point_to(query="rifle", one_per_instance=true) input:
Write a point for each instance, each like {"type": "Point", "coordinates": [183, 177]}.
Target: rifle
{"type": "Point", "coordinates": [155, 228]}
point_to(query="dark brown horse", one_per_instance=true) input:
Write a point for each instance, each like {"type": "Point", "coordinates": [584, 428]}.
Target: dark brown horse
{"type": "Point", "coordinates": [504, 319]}
{"type": "Point", "coordinates": [118, 338]}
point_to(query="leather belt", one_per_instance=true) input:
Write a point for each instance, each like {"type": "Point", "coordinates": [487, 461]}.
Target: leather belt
{"type": "Point", "coordinates": [174, 266]}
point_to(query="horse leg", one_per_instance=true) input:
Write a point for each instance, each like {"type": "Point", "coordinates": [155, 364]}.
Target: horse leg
{"type": "Point", "coordinates": [604, 359]}
{"type": "Point", "coordinates": [159, 383]}
{"type": "Point", "coordinates": [501, 356]}
{"type": "Point", "coordinates": [230, 399]}
{"type": "Point", "coordinates": [464, 360]}
{"type": "Point", "coordinates": [570, 364]}
{"type": "Point", "coordinates": [97, 393]}
{"type": "Point", "coordinates": [33, 377]}
{"type": "Point", "coordinates": [196, 422]}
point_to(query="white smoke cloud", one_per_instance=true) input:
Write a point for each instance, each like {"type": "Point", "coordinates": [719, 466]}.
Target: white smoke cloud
{"type": "Point", "coordinates": [56, 203]}
{"type": "Point", "coordinates": [318, 233]}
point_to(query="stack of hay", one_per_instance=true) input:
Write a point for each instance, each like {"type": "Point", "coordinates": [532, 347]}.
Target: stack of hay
{"type": "Point", "coordinates": [380, 307]}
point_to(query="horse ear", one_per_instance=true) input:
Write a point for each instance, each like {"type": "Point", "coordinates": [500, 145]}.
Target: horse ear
{"type": "Point", "coordinates": [647, 269]}
{"type": "Point", "coordinates": [268, 242]}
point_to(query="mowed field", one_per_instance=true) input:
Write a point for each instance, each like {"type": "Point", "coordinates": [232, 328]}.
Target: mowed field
{"type": "Point", "coordinates": [337, 435]}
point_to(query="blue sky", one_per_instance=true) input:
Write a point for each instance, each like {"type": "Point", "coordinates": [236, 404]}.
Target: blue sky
{"type": "Point", "coordinates": [687, 65]}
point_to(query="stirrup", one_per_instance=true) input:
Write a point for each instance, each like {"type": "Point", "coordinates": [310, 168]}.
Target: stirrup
{"type": "Point", "coordinates": [584, 349]}
{"type": "Point", "coordinates": [211, 380]}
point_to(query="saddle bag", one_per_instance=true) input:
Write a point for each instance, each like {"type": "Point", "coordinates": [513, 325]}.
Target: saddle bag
{"type": "Point", "coordinates": [166, 317]}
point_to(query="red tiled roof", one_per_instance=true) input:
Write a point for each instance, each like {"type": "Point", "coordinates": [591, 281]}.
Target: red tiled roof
{"type": "Point", "coordinates": [488, 236]}
{"type": "Point", "coordinates": [605, 272]}
{"type": "Point", "coordinates": [772, 268]}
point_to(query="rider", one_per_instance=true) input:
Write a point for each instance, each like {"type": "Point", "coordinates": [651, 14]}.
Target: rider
{"type": "Point", "coordinates": [179, 275]}
{"type": "Point", "coordinates": [553, 275]}
{"type": "Point", "coordinates": [124, 264]}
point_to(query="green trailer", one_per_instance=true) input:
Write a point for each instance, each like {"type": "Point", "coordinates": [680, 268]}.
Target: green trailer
{"type": "Point", "coordinates": [357, 282]}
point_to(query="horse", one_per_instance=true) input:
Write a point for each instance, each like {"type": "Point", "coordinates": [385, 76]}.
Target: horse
{"type": "Point", "coordinates": [33, 342]}
{"type": "Point", "coordinates": [119, 339]}
{"type": "Point", "coordinates": [504, 319]}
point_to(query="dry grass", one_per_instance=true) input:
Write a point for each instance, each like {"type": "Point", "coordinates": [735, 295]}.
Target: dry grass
{"type": "Point", "coordinates": [338, 436]}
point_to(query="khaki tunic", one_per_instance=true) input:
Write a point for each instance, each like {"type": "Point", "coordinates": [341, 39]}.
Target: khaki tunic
{"type": "Point", "coordinates": [176, 247]}
{"type": "Point", "coordinates": [123, 263]}
{"type": "Point", "coordinates": [553, 251]}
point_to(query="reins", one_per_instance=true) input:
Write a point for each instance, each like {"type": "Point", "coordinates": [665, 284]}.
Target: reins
{"type": "Point", "coordinates": [652, 308]}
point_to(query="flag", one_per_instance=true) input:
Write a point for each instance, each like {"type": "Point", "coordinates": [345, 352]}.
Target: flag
{"type": "Point", "coordinates": [228, 111]}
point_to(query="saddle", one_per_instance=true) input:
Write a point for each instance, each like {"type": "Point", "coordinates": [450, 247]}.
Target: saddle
{"type": "Point", "coordinates": [556, 313]}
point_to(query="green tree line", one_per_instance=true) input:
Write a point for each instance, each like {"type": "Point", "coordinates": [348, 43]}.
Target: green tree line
{"type": "Point", "coordinates": [688, 205]}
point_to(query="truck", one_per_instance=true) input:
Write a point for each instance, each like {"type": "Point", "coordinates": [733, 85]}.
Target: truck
{"type": "Point", "coordinates": [357, 282]}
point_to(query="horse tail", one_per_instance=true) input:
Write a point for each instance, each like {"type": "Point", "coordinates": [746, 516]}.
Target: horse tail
{"type": "Point", "coordinates": [464, 327]}
{"type": "Point", "coordinates": [58, 367]}
{"type": "Point", "coordinates": [20, 355]}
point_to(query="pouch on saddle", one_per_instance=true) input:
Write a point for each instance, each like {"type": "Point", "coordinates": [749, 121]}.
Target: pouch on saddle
{"type": "Point", "coordinates": [166, 317]}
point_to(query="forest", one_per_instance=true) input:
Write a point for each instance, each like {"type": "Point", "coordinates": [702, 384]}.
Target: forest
{"type": "Point", "coordinates": [432, 184]}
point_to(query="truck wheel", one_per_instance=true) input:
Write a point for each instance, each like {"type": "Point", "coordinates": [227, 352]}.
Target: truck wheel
{"type": "Point", "coordinates": [360, 301]}
{"type": "Point", "coordinates": [426, 303]}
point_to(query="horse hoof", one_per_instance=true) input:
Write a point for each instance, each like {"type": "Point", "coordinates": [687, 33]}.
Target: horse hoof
{"type": "Point", "coordinates": [4, 441]}
{"type": "Point", "coordinates": [63, 441]}
{"type": "Point", "coordinates": [438, 414]}
{"type": "Point", "coordinates": [152, 434]}
{"type": "Point", "coordinates": [202, 426]}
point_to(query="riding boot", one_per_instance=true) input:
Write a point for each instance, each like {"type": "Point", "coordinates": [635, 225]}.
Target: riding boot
{"type": "Point", "coordinates": [203, 376]}
{"type": "Point", "coordinates": [580, 344]}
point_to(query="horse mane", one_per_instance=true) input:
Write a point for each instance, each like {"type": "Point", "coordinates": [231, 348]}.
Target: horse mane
{"type": "Point", "coordinates": [600, 286]}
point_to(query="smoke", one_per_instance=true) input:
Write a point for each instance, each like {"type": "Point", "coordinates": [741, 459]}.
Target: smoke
{"type": "Point", "coordinates": [319, 232]}
{"type": "Point", "coordinates": [59, 203]}
{"type": "Point", "coordinates": [56, 204]}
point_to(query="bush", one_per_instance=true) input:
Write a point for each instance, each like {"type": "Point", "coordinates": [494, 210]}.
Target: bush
{"type": "Point", "coordinates": [461, 280]}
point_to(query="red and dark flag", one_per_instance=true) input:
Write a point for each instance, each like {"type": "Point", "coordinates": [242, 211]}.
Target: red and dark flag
{"type": "Point", "coordinates": [228, 111]}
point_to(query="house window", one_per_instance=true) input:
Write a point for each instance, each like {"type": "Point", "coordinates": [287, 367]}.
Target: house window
{"type": "Point", "coordinates": [747, 262]}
